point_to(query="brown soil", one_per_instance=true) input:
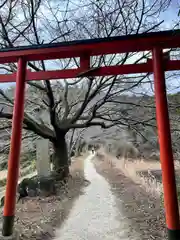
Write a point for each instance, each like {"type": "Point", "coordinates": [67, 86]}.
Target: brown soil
{"type": "Point", "coordinates": [37, 218]}
{"type": "Point", "coordinates": [142, 209]}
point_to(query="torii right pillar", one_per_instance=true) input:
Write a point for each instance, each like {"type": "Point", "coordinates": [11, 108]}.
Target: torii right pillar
{"type": "Point", "coordinates": [166, 153]}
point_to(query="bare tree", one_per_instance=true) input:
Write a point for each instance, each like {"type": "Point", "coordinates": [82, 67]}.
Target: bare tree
{"type": "Point", "coordinates": [74, 142]}
{"type": "Point", "coordinates": [84, 102]}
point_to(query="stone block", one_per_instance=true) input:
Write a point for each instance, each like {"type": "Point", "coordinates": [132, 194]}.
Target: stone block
{"type": "Point", "coordinates": [43, 158]}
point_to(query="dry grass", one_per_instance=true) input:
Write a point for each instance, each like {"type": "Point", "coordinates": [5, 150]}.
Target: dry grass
{"type": "Point", "coordinates": [144, 172]}
{"type": "Point", "coordinates": [135, 170]}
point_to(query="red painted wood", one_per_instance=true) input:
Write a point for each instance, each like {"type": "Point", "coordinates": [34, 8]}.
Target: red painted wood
{"type": "Point", "coordinates": [95, 48]}
{"type": "Point", "coordinates": [164, 133]}
{"type": "Point", "coordinates": [14, 155]}
{"type": "Point", "coordinates": [102, 71]}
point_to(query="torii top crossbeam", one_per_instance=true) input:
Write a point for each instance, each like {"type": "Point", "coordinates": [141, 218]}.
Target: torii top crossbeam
{"type": "Point", "coordinates": [84, 49]}
{"type": "Point", "coordinates": [99, 46]}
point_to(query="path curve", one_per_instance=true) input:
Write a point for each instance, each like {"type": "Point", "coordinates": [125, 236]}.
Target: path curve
{"type": "Point", "coordinates": [94, 215]}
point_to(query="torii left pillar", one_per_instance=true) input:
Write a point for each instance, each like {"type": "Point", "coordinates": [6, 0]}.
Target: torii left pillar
{"type": "Point", "coordinates": [14, 155]}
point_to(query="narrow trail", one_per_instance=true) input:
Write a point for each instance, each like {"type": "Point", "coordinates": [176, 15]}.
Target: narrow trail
{"type": "Point", "coordinates": [95, 215]}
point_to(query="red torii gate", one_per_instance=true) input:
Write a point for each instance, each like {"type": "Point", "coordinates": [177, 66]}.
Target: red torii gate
{"type": "Point", "coordinates": [85, 49]}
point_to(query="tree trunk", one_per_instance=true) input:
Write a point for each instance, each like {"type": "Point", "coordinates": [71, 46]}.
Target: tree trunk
{"type": "Point", "coordinates": [60, 160]}
{"type": "Point", "coordinates": [71, 146]}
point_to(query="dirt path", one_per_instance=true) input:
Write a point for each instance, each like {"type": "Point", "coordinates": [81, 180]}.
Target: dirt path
{"type": "Point", "coordinates": [95, 214]}
{"type": "Point", "coordinates": [141, 209]}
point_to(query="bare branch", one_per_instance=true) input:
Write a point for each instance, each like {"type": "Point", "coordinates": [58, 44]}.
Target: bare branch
{"type": "Point", "coordinates": [42, 131]}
